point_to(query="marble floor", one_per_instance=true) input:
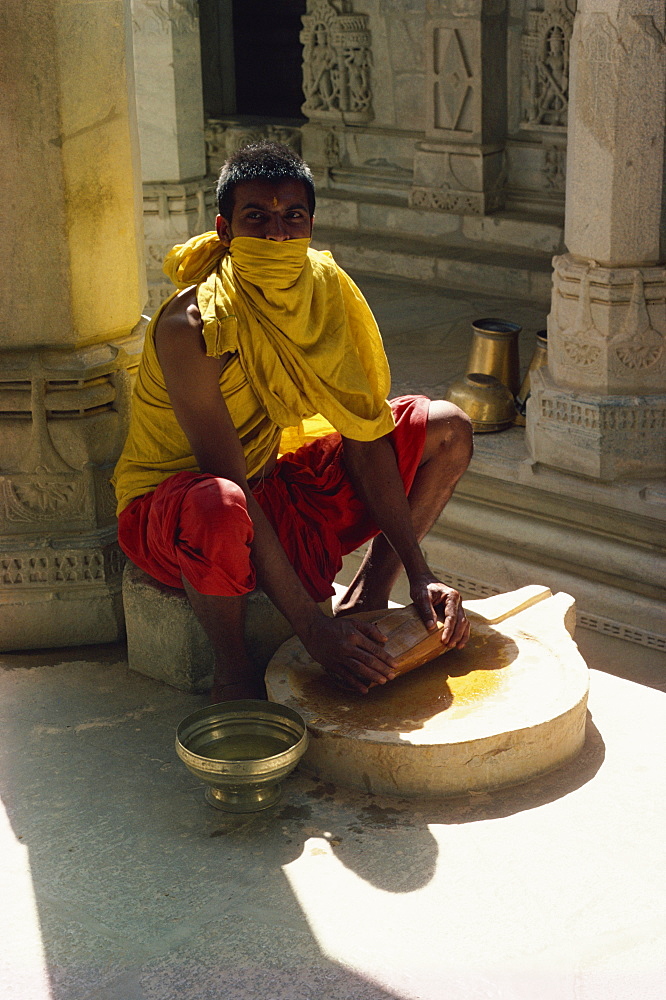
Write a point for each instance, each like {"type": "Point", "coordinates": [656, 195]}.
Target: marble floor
{"type": "Point", "coordinates": [427, 331]}
{"type": "Point", "coordinates": [118, 882]}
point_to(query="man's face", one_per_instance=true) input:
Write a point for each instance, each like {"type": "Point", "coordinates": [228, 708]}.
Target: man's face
{"type": "Point", "coordinates": [268, 211]}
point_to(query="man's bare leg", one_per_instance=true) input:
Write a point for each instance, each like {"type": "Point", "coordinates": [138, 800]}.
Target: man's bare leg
{"type": "Point", "coordinates": [446, 455]}
{"type": "Point", "coordinates": [223, 621]}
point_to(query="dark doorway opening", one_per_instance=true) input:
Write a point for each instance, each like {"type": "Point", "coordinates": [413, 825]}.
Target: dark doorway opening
{"type": "Point", "coordinates": [268, 56]}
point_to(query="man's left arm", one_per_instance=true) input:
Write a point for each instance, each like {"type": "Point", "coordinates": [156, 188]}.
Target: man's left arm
{"type": "Point", "coordinates": [373, 470]}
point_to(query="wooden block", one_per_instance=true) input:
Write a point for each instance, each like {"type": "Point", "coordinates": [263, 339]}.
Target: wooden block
{"type": "Point", "coordinates": [408, 640]}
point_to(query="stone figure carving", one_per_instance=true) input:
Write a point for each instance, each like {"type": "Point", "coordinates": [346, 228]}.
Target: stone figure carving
{"type": "Point", "coordinates": [332, 150]}
{"type": "Point", "coordinates": [336, 63]}
{"type": "Point", "coordinates": [323, 87]}
{"type": "Point", "coordinates": [554, 168]}
{"type": "Point", "coordinates": [545, 66]}
{"type": "Point", "coordinates": [357, 61]}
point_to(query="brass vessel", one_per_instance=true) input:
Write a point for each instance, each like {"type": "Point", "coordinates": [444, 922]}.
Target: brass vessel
{"type": "Point", "coordinates": [242, 750]}
{"type": "Point", "coordinates": [494, 351]}
{"type": "Point", "coordinates": [486, 400]}
{"type": "Point", "coordinates": [539, 359]}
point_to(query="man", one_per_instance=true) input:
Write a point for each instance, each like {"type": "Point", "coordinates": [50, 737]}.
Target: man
{"type": "Point", "coordinates": [264, 334]}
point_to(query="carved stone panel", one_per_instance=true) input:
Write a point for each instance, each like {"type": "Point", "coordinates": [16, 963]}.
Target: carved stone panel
{"type": "Point", "coordinates": [172, 213]}
{"type": "Point", "coordinates": [452, 81]}
{"type": "Point", "coordinates": [225, 136]}
{"type": "Point", "coordinates": [545, 66]}
{"type": "Point", "coordinates": [51, 568]}
{"type": "Point", "coordinates": [164, 16]}
{"type": "Point", "coordinates": [337, 63]}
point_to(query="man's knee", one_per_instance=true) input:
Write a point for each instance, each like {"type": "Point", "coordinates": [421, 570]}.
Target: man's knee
{"type": "Point", "coordinates": [449, 435]}
{"type": "Point", "coordinates": [214, 507]}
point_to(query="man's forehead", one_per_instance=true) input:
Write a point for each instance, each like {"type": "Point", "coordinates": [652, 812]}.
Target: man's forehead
{"type": "Point", "coordinates": [271, 194]}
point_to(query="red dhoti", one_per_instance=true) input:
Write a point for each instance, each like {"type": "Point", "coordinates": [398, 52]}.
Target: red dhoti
{"type": "Point", "coordinates": [197, 526]}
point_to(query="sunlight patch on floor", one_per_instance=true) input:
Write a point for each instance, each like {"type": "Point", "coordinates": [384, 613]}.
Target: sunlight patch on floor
{"type": "Point", "coordinates": [22, 959]}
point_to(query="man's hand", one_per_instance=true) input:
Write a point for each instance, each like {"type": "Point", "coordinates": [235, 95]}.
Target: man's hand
{"type": "Point", "coordinates": [434, 600]}
{"type": "Point", "coordinates": [351, 652]}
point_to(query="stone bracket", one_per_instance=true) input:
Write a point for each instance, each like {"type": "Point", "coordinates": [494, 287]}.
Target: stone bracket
{"type": "Point", "coordinates": [607, 326]}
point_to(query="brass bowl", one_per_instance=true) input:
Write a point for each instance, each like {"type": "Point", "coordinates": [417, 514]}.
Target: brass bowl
{"type": "Point", "coordinates": [488, 403]}
{"type": "Point", "coordinates": [242, 750]}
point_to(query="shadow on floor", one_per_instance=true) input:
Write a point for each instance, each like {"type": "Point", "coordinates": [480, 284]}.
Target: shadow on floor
{"type": "Point", "coordinates": [144, 892]}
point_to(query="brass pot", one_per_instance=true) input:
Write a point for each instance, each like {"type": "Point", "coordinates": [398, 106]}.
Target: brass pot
{"type": "Point", "coordinates": [488, 402]}
{"type": "Point", "coordinates": [242, 750]}
{"type": "Point", "coordinates": [494, 351]}
{"type": "Point", "coordinates": [539, 359]}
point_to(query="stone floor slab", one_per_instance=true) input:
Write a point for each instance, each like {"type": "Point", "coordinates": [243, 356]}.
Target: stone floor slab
{"type": "Point", "coordinates": [135, 889]}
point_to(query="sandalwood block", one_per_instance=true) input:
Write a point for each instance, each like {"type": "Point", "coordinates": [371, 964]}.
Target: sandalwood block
{"type": "Point", "coordinates": [408, 640]}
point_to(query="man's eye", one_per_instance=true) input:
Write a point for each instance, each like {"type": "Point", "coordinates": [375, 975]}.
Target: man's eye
{"type": "Point", "coordinates": [254, 215]}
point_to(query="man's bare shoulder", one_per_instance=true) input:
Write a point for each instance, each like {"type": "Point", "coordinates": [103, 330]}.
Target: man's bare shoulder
{"type": "Point", "coordinates": [181, 315]}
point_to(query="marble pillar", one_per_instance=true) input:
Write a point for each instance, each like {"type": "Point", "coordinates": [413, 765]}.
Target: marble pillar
{"type": "Point", "coordinates": [460, 166]}
{"type": "Point", "coordinates": [599, 407]}
{"type": "Point", "coordinates": [178, 198]}
{"type": "Point", "coordinates": [70, 331]}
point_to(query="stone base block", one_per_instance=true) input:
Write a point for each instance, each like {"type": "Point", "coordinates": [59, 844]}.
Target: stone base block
{"type": "Point", "coordinates": [165, 640]}
{"type": "Point", "coordinates": [50, 620]}
{"type": "Point", "coordinates": [459, 178]}
{"type": "Point", "coordinates": [605, 437]}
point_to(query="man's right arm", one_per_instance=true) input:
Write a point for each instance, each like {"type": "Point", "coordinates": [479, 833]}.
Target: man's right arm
{"type": "Point", "coordinates": [348, 650]}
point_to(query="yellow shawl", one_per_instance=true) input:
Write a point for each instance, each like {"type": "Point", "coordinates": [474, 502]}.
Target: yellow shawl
{"type": "Point", "coordinates": [304, 345]}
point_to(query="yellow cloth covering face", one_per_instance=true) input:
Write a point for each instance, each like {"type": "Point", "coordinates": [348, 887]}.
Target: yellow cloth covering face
{"type": "Point", "coordinates": [303, 343]}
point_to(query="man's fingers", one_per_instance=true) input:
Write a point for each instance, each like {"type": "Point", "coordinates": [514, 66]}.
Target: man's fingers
{"type": "Point", "coordinates": [369, 629]}
{"type": "Point", "coordinates": [460, 632]}
{"type": "Point", "coordinates": [426, 609]}
{"type": "Point", "coordinates": [451, 609]}
{"type": "Point", "coordinates": [371, 663]}
{"type": "Point", "coordinates": [348, 681]}
{"type": "Point", "coordinates": [357, 675]}
{"type": "Point", "coordinates": [369, 651]}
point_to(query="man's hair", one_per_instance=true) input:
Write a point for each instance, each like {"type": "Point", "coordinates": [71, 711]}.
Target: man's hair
{"type": "Point", "coordinates": [262, 161]}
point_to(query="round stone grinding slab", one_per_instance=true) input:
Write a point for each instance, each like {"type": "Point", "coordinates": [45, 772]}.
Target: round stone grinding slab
{"type": "Point", "coordinates": [509, 706]}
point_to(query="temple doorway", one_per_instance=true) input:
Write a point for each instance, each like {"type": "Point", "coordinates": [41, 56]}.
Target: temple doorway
{"type": "Point", "coordinates": [251, 58]}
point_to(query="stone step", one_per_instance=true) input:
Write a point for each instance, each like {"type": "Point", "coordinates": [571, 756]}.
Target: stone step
{"type": "Point", "coordinates": [497, 269]}
{"type": "Point", "coordinates": [517, 230]}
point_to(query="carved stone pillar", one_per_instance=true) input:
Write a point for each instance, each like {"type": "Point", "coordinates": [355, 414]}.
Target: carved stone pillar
{"type": "Point", "coordinates": [70, 333]}
{"type": "Point", "coordinates": [178, 201]}
{"type": "Point", "coordinates": [599, 409]}
{"type": "Point", "coordinates": [460, 166]}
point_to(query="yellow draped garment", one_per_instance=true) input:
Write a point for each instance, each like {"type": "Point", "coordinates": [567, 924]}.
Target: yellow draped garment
{"type": "Point", "coordinates": [303, 343]}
